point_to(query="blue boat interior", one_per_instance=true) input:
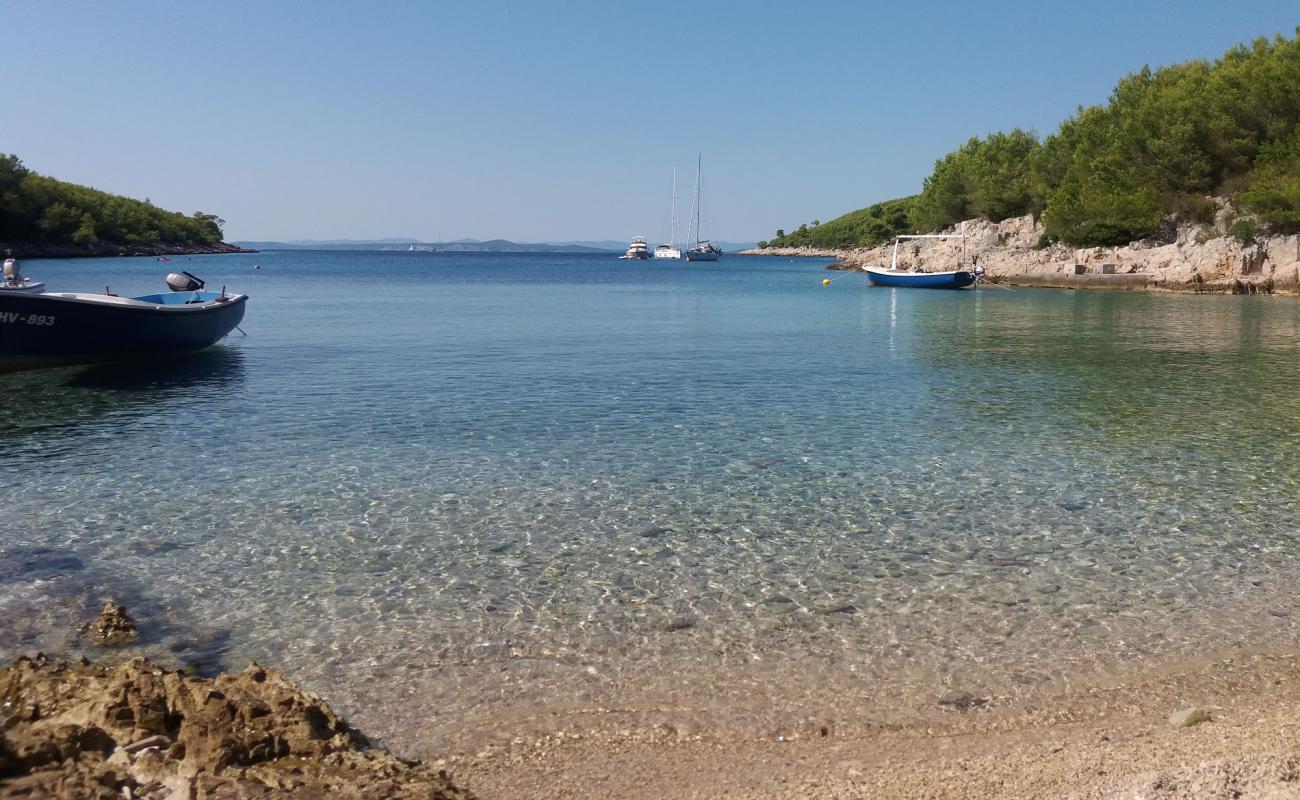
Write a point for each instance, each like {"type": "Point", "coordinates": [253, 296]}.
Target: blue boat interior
{"type": "Point", "coordinates": [178, 298]}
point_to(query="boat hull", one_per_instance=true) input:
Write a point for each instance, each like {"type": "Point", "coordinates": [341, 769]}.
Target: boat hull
{"type": "Point", "coordinates": [41, 330]}
{"type": "Point", "coordinates": [956, 279]}
{"type": "Point", "coordinates": [702, 255]}
{"type": "Point", "coordinates": [26, 286]}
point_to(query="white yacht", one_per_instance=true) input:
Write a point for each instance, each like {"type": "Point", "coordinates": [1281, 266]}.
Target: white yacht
{"type": "Point", "coordinates": [638, 249]}
{"type": "Point", "coordinates": [670, 250]}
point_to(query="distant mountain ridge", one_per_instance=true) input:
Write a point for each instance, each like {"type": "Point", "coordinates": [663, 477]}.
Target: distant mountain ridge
{"type": "Point", "coordinates": [465, 245]}
{"type": "Point", "coordinates": [613, 244]}
{"type": "Point", "coordinates": [460, 246]}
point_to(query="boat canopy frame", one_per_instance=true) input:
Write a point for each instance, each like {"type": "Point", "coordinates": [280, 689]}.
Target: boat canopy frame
{"type": "Point", "coordinates": [893, 264]}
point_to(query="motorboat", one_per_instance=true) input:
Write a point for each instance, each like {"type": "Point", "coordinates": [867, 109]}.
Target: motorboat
{"type": "Point", "coordinates": [41, 329]}
{"type": "Point", "coordinates": [949, 279]}
{"type": "Point", "coordinates": [638, 249]}
{"type": "Point", "coordinates": [14, 280]}
{"type": "Point", "coordinates": [952, 279]}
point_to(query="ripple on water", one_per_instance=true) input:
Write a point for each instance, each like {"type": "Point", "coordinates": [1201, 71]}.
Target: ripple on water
{"type": "Point", "coordinates": [724, 479]}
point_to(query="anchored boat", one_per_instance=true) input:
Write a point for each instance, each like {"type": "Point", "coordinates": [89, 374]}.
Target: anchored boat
{"type": "Point", "coordinates": [703, 250]}
{"type": "Point", "coordinates": [951, 279]}
{"type": "Point", "coordinates": [670, 250]}
{"type": "Point", "coordinates": [59, 328]}
{"type": "Point", "coordinates": [14, 280]}
{"type": "Point", "coordinates": [637, 250]}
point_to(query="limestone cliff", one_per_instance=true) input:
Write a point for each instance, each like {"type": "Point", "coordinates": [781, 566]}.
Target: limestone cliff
{"type": "Point", "coordinates": [1188, 257]}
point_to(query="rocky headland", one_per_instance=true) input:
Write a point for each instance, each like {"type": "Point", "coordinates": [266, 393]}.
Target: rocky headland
{"type": "Point", "coordinates": [101, 249]}
{"type": "Point", "coordinates": [140, 730]}
{"type": "Point", "coordinates": [1186, 257]}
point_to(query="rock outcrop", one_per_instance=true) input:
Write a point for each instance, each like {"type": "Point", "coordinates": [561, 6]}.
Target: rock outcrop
{"type": "Point", "coordinates": [113, 627]}
{"type": "Point", "coordinates": [1197, 258]}
{"type": "Point", "coordinates": [139, 730]}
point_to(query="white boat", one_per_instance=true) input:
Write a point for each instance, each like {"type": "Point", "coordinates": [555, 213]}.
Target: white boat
{"type": "Point", "coordinates": [703, 250]}
{"type": "Point", "coordinates": [637, 250]}
{"type": "Point", "coordinates": [670, 250]}
{"type": "Point", "coordinates": [15, 282]}
{"type": "Point", "coordinates": [667, 251]}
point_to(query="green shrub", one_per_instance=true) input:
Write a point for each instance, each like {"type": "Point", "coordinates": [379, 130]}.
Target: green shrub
{"type": "Point", "coordinates": [1244, 230]}
{"type": "Point", "coordinates": [1193, 208]}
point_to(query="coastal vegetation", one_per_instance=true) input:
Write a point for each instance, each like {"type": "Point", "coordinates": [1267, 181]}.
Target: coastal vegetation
{"type": "Point", "coordinates": [1167, 142]}
{"type": "Point", "coordinates": [36, 209]}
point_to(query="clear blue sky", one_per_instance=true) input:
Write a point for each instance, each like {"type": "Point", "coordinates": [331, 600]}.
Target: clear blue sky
{"type": "Point", "coordinates": [553, 121]}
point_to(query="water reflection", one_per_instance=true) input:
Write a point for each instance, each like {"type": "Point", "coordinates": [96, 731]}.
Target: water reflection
{"type": "Point", "coordinates": [43, 401]}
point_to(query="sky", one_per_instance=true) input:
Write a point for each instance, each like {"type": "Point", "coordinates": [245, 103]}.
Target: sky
{"type": "Point", "coordinates": [556, 121]}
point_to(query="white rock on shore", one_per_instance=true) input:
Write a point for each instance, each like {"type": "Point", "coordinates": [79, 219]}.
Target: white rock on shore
{"type": "Point", "coordinates": [1186, 260]}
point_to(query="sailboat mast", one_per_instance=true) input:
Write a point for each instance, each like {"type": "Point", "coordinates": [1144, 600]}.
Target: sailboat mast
{"type": "Point", "coordinates": [695, 203]}
{"type": "Point", "coordinates": [673, 240]}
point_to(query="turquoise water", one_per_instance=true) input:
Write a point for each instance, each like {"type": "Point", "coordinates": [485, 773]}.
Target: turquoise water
{"type": "Point", "coordinates": [455, 471]}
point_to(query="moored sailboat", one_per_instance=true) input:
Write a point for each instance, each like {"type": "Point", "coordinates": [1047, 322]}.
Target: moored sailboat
{"type": "Point", "coordinates": [703, 250]}
{"type": "Point", "coordinates": [670, 250]}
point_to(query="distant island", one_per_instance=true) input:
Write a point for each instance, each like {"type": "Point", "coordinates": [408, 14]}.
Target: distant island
{"type": "Point", "coordinates": [409, 245]}
{"type": "Point", "coordinates": [458, 245]}
{"type": "Point", "coordinates": [1173, 146]}
{"type": "Point", "coordinates": [41, 217]}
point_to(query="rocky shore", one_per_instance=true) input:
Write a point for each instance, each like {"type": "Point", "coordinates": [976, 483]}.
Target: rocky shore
{"type": "Point", "coordinates": [141, 730]}
{"type": "Point", "coordinates": [1185, 258]}
{"type": "Point", "coordinates": [1218, 727]}
{"type": "Point", "coordinates": [101, 249]}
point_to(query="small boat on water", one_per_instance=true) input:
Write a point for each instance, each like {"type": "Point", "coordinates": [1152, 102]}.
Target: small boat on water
{"type": "Point", "coordinates": [950, 279]}
{"type": "Point", "coordinates": [637, 250]}
{"type": "Point", "coordinates": [14, 280]}
{"type": "Point", "coordinates": [59, 328]}
{"type": "Point", "coordinates": [703, 250]}
{"type": "Point", "coordinates": [670, 250]}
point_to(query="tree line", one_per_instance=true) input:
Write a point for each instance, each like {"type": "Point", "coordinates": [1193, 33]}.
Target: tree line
{"type": "Point", "coordinates": [1166, 142]}
{"type": "Point", "coordinates": [36, 208]}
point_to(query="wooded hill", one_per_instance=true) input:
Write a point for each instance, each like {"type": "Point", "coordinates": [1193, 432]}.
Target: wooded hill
{"type": "Point", "coordinates": [1167, 142]}
{"type": "Point", "coordinates": [40, 210]}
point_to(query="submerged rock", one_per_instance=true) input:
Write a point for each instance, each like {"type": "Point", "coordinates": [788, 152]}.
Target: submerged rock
{"type": "Point", "coordinates": [962, 701]}
{"type": "Point", "coordinates": [1188, 717]}
{"type": "Point", "coordinates": [141, 730]}
{"type": "Point", "coordinates": [113, 628]}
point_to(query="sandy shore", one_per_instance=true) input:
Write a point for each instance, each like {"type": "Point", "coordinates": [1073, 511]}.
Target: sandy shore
{"type": "Point", "coordinates": [743, 730]}
{"type": "Point", "coordinates": [1098, 739]}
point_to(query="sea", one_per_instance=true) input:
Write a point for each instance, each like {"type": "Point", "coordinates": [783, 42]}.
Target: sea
{"type": "Point", "coordinates": [443, 490]}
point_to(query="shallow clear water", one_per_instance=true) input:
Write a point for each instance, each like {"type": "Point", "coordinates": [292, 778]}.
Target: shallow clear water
{"type": "Point", "coordinates": [440, 467]}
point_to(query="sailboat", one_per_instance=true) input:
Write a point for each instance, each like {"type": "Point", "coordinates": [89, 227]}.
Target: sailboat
{"type": "Point", "coordinates": [670, 250]}
{"type": "Point", "coordinates": [703, 250]}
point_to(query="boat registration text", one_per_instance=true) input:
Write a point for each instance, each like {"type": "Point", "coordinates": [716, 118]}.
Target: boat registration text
{"type": "Point", "coordinates": [30, 319]}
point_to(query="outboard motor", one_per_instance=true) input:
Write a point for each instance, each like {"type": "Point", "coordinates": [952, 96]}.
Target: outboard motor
{"type": "Point", "coordinates": [184, 282]}
{"type": "Point", "coordinates": [13, 272]}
